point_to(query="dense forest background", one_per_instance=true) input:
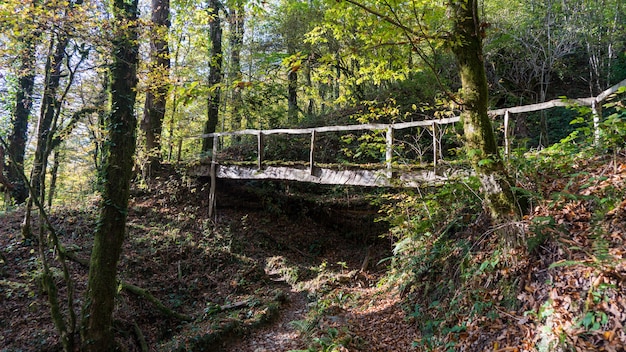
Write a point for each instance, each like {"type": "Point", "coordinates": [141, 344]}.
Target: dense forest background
{"type": "Point", "coordinates": [103, 103]}
{"type": "Point", "coordinates": [292, 63]}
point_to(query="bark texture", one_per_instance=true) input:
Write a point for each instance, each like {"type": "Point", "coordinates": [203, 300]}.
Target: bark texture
{"type": "Point", "coordinates": [479, 137]}
{"type": "Point", "coordinates": [158, 86]}
{"type": "Point", "coordinates": [116, 174]}
{"type": "Point", "coordinates": [236, 20]}
{"type": "Point", "coordinates": [215, 75]}
{"type": "Point", "coordinates": [19, 122]}
{"type": "Point", "coordinates": [292, 96]}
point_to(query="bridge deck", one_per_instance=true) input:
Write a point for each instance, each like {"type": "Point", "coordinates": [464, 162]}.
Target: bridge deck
{"type": "Point", "coordinates": [335, 175]}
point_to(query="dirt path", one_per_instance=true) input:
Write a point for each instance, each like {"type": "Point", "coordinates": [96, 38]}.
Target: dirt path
{"type": "Point", "coordinates": [279, 336]}
{"type": "Point", "coordinates": [217, 262]}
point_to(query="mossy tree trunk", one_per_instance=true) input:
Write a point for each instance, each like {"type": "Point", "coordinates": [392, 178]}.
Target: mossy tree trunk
{"type": "Point", "coordinates": [19, 120]}
{"type": "Point", "coordinates": [116, 174]}
{"type": "Point", "coordinates": [480, 140]}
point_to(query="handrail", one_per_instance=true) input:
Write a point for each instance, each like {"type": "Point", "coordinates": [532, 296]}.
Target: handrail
{"type": "Point", "coordinates": [344, 128]}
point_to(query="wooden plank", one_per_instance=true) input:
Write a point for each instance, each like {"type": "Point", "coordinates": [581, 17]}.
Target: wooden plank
{"type": "Point", "coordinates": [435, 150]}
{"type": "Point", "coordinates": [389, 150]}
{"type": "Point", "coordinates": [346, 128]}
{"type": "Point", "coordinates": [602, 96]}
{"type": "Point", "coordinates": [368, 178]}
{"type": "Point", "coordinates": [506, 134]}
{"type": "Point", "coordinates": [260, 149]}
{"type": "Point", "coordinates": [212, 173]}
{"type": "Point", "coordinates": [542, 106]}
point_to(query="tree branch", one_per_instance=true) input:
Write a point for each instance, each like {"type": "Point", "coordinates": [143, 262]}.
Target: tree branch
{"type": "Point", "coordinates": [62, 135]}
{"type": "Point", "coordinates": [383, 17]}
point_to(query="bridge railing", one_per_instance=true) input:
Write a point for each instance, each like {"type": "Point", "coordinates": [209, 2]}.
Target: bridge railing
{"type": "Point", "coordinates": [314, 132]}
{"type": "Point", "coordinates": [433, 124]}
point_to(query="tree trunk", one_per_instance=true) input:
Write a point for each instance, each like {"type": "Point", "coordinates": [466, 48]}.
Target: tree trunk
{"type": "Point", "coordinates": [48, 111]}
{"type": "Point", "coordinates": [479, 137]}
{"type": "Point", "coordinates": [19, 121]}
{"type": "Point", "coordinates": [158, 86]}
{"type": "Point", "coordinates": [54, 176]}
{"type": "Point", "coordinates": [215, 75]}
{"type": "Point", "coordinates": [117, 171]}
{"type": "Point", "coordinates": [292, 85]}
{"type": "Point", "coordinates": [237, 23]}
{"type": "Point", "coordinates": [292, 88]}
{"type": "Point", "coordinates": [310, 108]}
{"type": "Point", "coordinates": [5, 184]}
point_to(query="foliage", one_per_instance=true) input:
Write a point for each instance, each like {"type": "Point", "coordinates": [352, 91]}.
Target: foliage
{"type": "Point", "coordinates": [438, 261]}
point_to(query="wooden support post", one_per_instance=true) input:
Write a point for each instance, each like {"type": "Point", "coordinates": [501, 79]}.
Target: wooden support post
{"type": "Point", "coordinates": [311, 153]}
{"type": "Point", "coordinates": [260, 148]}
{"type": "Point", "coordinates": [389, 150]}
{"type": "Point", "coordinates": [507, 142]}
{"type": "Point", "coordinates": [596, 111]}
{"type": "Point", "coordinates": [435, 145]}
{"type": "Point", "coordinates": [216, 140]}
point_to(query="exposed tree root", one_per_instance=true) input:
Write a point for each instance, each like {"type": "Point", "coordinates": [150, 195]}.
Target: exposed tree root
{"type": "Point", "coordinates": [140, 338]}
{"type": "Point", "coordinates": [158, 304]}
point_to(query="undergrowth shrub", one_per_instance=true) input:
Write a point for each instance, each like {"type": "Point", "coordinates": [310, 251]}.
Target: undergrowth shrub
{"type": "Point", "coordinates": [439, 257]}
{"type": "Point", "coordinates": [451, 265]}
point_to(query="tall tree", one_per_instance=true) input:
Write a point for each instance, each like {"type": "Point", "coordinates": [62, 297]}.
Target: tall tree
{"type": "Point", "coordinates": [292, 90]}
{"type": "Point", "coordinates": [293, 20]}
{"type": "Point", "coordinates": [52, 101]}
{"type": "Point", "coordinates": [19, 120]}
{"type": "Point", "coordinates": [215, 73]}
{"type": "Point", "coordinates": [49, 107]}
{"type": "Point", "coordinates": [236, 24]}
{"type": "Point", "coordinates": [5, 184]}
{"type": "Point", "coordinates": [116, 174]}
{"type": "Point", "coordinates": [480, 141]}
{"type": "Point", "coordinates": [158, 85]}
{"type": "Point", "coordinates": [465, 40]}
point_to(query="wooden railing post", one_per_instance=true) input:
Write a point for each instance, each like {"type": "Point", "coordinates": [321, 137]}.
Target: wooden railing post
{"type": "Point", "coordinates": [260, 148]}
{"type": "Point", "coordinates": [506, 134]}
{"type": "Point", "coordinates": [435, 145]}
{"type": "Point", "coordinates": [311, 153]}
{"type": "Point", "coordinates": [389, 150]}
{"type": "Point", "coordinates": [596, 111]}
{"type": "Point", "coordinates": [216, 140]}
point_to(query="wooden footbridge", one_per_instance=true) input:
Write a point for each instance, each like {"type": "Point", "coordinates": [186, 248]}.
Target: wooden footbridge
{"type": "Point", "coordinates": [383, 175]}
{"type": "Point", "coordinates": [374, 175]}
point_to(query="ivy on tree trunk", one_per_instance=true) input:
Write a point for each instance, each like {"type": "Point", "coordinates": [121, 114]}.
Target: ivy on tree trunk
{"type": "Point", "coordinates": [116, 174]}
{"type": "Point", "coordinates": [19, 121]}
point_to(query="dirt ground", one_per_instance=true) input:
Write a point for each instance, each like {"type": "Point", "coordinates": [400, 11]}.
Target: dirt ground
{"type": "Point", "coordinates": [272, 255]}
{"type": "Point", "coordinates": [284, 267]}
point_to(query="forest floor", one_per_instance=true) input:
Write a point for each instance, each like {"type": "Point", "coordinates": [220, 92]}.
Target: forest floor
{"type": "Point", "coordinates": [287, 267]}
